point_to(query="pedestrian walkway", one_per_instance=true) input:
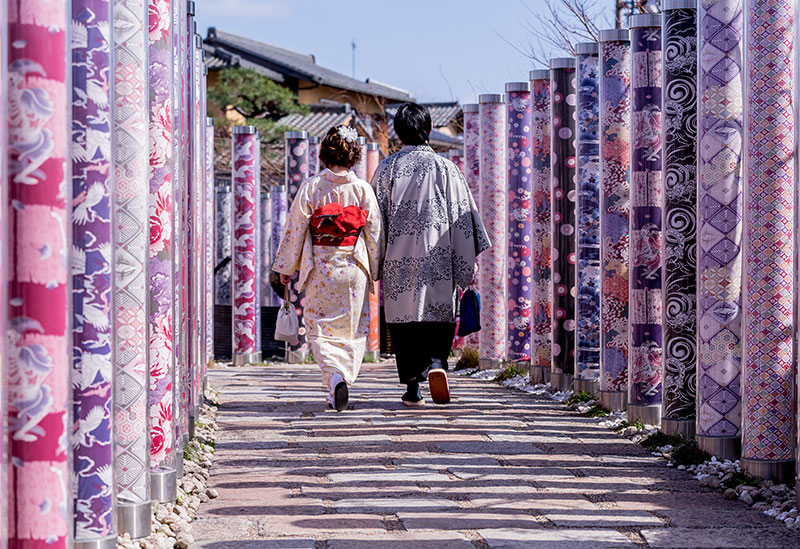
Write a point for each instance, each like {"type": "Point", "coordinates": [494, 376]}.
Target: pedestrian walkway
{"type": "Point", "coordinates": [496, 468]}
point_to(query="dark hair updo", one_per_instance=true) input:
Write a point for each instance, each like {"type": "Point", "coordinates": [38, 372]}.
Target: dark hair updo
{"type": "Point", "coordinates": [412, 124]}
{"type": "Point", "coordinates": [335, 150]}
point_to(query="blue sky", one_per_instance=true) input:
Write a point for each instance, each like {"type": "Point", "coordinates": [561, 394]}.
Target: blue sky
{"type": "Point", "coordinates": [437, 49]}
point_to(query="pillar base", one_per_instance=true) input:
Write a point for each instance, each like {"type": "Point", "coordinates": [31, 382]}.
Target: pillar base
{"type": "Point", "coordinates": [179, 465]}
{"type": "Point", "coordinates": [778, 471]}
{"type": "Point", "coordinates": [649, 414]}
{"type": "Point", "coordinates": [678, 427]}
{"type": "Point", "coordinates": [589, 386]}
{"type": "Point", "coordinates": [190, 434]}
{"type": "Point", "coordinates": [185, 440]}
{"type": "Point", "coordinates": [722, 447]}
{"type": "Point", "coordinates": [373, 355]}
{"type": "Point", "coordinates": [615, 401]}
{"type": "Point", "coordinates": [134, 519]}
{"type": "Point", "coordinates": [561, 382]}
{"type": "Point", "coordinates": [491, 364]}
{"type": "Point", "coordinates": [107, 542]}
{"type": "Point", "coordinates": [296, 357]}
{"type": "Point", "coordinates": [540, 374]}
{"type": "Point", "coordinates": [797, 491]}
{"type": "Point", "coordinates": [164, 485]}
{"type": "Point", "coordinates": [243, 359]}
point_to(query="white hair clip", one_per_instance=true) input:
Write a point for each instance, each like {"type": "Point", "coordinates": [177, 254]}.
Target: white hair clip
{"type": "Point", "coordinates": [347, 133]}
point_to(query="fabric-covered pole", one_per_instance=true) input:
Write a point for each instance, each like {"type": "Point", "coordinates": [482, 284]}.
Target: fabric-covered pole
{"type": "Point", "coordinates": [587, 225]}
{"type": "Point", "coordinates": [161, 282]}
{"type": "Point", "coordinates": [373, 158]}
{"type": "Point", "coordinates": [3, 282]}
{"type": "Point", "coordinates": [244, 245]}
{"type": "Point", "coordinates": [645, 369]}
{"type": "Point", "coordinates": [562, 175]}
{"type": "Point", "coordinates": [296, 173]}
{"type": "Point", "coordinates": [457, 158]}
{"type": "Point", "coordinates": [615, 175]}
{"type": "Point", "coordinates": [541, 296]}
{"type": "Point", "coordinates": [313, 155]}
{"type": "Point", "coordinates": [131, 344]}
{"type": "Point", "coordinates": [518, 221]}
{"type": "Point", "coordinates": [92, 272]}
{"type": "Point", "coordinates": [680, 217]}
{"type": "Point", "coordinates": [208, 204]}
{"type": "Point", "coordinates": [360, 169]}
{"type": "Point", "coordinates": [198, 253]}
{"type": "Point", "coordinates": [492, 337]}
{"type": "Point", "coordinates": [268, 297]}
{"type": "Point", "coordinates": [224, 220]}
{"type": "Point", "coordinates": [720, 199]}
{"type": "Point", "coordinates": [769, 206]}
{"type": "Point", "coordinates": [472, 173]}
{"type": "Point", "coordinates": [257, 270]}
{"type": "Point", "coordinates": [39, 343]}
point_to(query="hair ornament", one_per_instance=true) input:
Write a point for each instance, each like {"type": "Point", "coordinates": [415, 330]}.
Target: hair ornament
{"type": "Point", "coordinates": [347, 133]}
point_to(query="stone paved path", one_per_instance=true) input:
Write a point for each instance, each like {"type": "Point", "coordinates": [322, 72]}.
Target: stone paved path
{"type": "Point", "coordinates": [496, 468]}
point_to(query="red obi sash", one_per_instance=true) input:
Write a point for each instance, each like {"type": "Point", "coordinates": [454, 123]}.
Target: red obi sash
{"type": "Point", "coordinates": [335, 225]}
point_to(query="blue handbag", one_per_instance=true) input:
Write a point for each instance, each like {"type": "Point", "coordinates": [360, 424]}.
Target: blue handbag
{"type": "Point", "coordinates": [470, 319]}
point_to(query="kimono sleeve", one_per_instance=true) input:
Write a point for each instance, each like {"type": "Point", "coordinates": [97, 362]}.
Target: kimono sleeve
{"type": "Point", "coordinates": [373, 234]}
{"type": "Point", "coordinates": [468, 235]}
{"type": "Point", "coordinates": [289, 258]}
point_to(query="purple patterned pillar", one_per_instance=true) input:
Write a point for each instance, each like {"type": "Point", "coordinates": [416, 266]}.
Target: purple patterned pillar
{"type": "Point", "coordinates": [472, 173]}
{"type": "Point", "coordinates": [769, 255]}
{"type": "Point", "coordinates": [131, 345]}
{"type": "Point", "coordinates": [162, 216]}
{"type": "Point", "coordinates": [587, 222]}
{"type": "Point", "coordinates": [3, 282]}
{"type": "Point", "coordinates": [268, 297]}
{"type": "Point", "coordinates": [719, 258]}
{"type": "Point", "coordinates": [92, 271]}
{"type": "Point", "coordinates": [224, 219]}
{"type": "Point", "coordinates": [244, 245]}
{"type": "Point", "coordinates": [645, 370]}
{"type": "Point", "coordinates": [37, 337]}
{"type": "Point", "coordinates": [198, 224]}
{"type": "Point", "coordinates": [518, 227]}
{"type": "Point", "coordinates": [210, 224]}
{"type": "Point", "coordinates": [457, 158]}
{"type": "Point", "coordinates": [313, 155]}
{"type": "Point", "coordinates": [296, 173]}
{"type": "Point", "coordinates": [541, 296]}
{"type": "Point", "coordinates": [615, 176]}
{"type": "Point", "coordinates": [562, 175]}
{"type": "Point", "coordinates": [492, 336]}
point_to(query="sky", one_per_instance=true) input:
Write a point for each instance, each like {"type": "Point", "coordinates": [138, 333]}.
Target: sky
{"type": "Point", "coordinates": [439, 50]}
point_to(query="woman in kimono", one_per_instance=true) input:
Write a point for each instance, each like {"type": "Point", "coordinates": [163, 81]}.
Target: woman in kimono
{"type": "Point", "coordinates": [333, 238]}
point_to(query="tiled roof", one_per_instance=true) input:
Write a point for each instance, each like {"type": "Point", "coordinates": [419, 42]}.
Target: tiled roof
{"type": "Point", "coordinates": [287, 63]}
{"type": "Point", "coordinates": [315, 123]}
{"type": "Point", "coordinates": [218, 58]}
{"type": "Point", "coordinates": [441, 113]}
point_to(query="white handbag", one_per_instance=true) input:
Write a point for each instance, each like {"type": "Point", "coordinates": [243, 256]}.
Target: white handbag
{"type": "Point", "coordinates": [287, 328]}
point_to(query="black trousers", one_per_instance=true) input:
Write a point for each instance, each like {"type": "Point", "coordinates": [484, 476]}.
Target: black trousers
{"type": "Point", "coordinates": [415, 344]}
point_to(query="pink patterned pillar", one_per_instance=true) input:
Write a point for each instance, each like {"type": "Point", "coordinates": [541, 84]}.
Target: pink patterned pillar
{"type": "Point", "coordinates": [211, 238]}
{"type": "Point", "coordinates": [3, 281]}
{"type": "Point", "coordinates": [198, 229]}
{"type": "Point", "coordinates": [244, 245]}
{"type": "Point", "coordinates": [492, 336]}
{"type": "Point", "coordinates": [38, 339]}
{"type": "Point", "coordinates": [313, 155]}
{"type": "Point", "coordinates": [472, 173]}
{"type": "Point", "coordinates": [373, 158]}
{"type": "Point", "coordinates": [360, 169]}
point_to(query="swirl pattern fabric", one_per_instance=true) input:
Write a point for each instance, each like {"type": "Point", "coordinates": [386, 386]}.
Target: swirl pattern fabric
{"type": "Point", "coordinates": [768, 375]}
{"type": "Point", "coordinates": [296, 173]}
{"type": "Point", "coordinates": [519, 225]}
{"type": "Point", "coordinates": [492, 337]}
{"type": "Point", "coordinates": [38, 342]}
{"type": "Point", "coordinates": [224, 214]}
{"type": "Point", "coordinates": [587, 360]}
{"type": "Point", "coordinates": [472, 174]}
{"type": "Point", "coordinates": [131, 164]}
{"type": "Point", "coordinates": [615, 175]}
{"type": "Point", "coordinates": [92, 270]}
{"type": "Point", "coordinates": [645, 370]}
{"type": "Point", "coordinates": [680, 213]}
{"type": "Point", "coordinates": [244, 244]}
{"type": "Point", "coordinates": [541, 295]}
{"type": "Point", "coordinates": [562, 165]}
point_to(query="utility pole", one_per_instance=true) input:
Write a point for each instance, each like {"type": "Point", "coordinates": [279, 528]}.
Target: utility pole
{"type": "Point", "coordinates": [353, 44]}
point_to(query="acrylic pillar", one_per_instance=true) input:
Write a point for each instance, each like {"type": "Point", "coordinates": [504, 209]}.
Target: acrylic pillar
{"type": "Point", "coordinates": [224, 215]}
{"type": "Point", "coordinates": [615, 178]}
{"type": "Point", "coordinates": [373, 159]}
{"type": "Point", "coordinates": [518, 222]}
{"type": "Point", "coordinates": [313, 155]}
{"type": "Point", "coordinates": [360, 169]}
{"type": "Point", "coordinates": [645, 368]}
{"type": "Point", "coordinates": [457, 157]}
{"type": "Point", "coordinates": [587, 222]}
{"type": "Point", "coordinates": [296, 173]}
{"type": "Point", "coordinates": [719, 259]}
{"type": "Point", "coordinates": [492, 337]}
{"type": "Point", "coordinates": [769, 255]}
{"type": "Point", "coordinates": [198, 253]}
{"type": "Point", "coordinates": [210, 245]}
{"type": "Point", "coordinates": [679, 132]}
{"type": "Point", "coordinates": [131, 280]}
{"type": "Point", "coordinates": [472, 173]}
{"type": "Point", "coordinates": [4, 448]}
{"type": "Point", "coordinates": [541, 247]}
{"type": "Point", "coordinates": [38, 342]}
{"type": "Point", "coordinates": [563, 200]}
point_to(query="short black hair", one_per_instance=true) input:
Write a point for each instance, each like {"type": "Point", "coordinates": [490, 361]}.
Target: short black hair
{"type": "Point", "coordinates": [412, 124]}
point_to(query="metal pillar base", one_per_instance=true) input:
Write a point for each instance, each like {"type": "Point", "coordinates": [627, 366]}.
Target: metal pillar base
{"type": "Point", "coordinates": [179, 465]}
{"type": "Point", "coordinates": [540, 374]}
{"type": "Point", "coordinates": [561, 382]}
{"type": "Point", "coordinates": [491, 364]}
{"type": "Point", "coordinates": [778, 471]}
{"type": "Point", "coordinates": [296, 357]}
{"type": "Point", "coordinates": [185, 440]}
{"type": "Point", "coordinates": [678, 427]}
{"type": "Point", "coordinates": [243, 359]}
{"type": "Point", "coordinates": [373, 355]}
{"type": "Point", "coordinates": [615, 401]}
{"type": "Point", "coordinates": [197, 412]}
{"type": "Point", "coordinates": [108, 542]}
{"type": "Point", "coordinates": [649, 415]}
{"type": "Point", "coordinates": [134, 519]}
{"type": "Point", "coordinates": [589, 386]}
{"type": "Point", "coordinates": [164, 485]}
{"type": "Point", "coordinates": [722, 447]}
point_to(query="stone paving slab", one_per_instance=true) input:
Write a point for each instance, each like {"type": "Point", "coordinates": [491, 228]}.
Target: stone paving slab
{"type": "Point", "coordinates": [495, 469]}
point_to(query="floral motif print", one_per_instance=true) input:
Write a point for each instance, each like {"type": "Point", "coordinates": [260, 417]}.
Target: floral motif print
{"type": "Point", "coordinates": [224, 216]}
{"type": "Point", "coordinates": [296, 173]}
{"type": "Point", "coordinates": [244, 243]}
